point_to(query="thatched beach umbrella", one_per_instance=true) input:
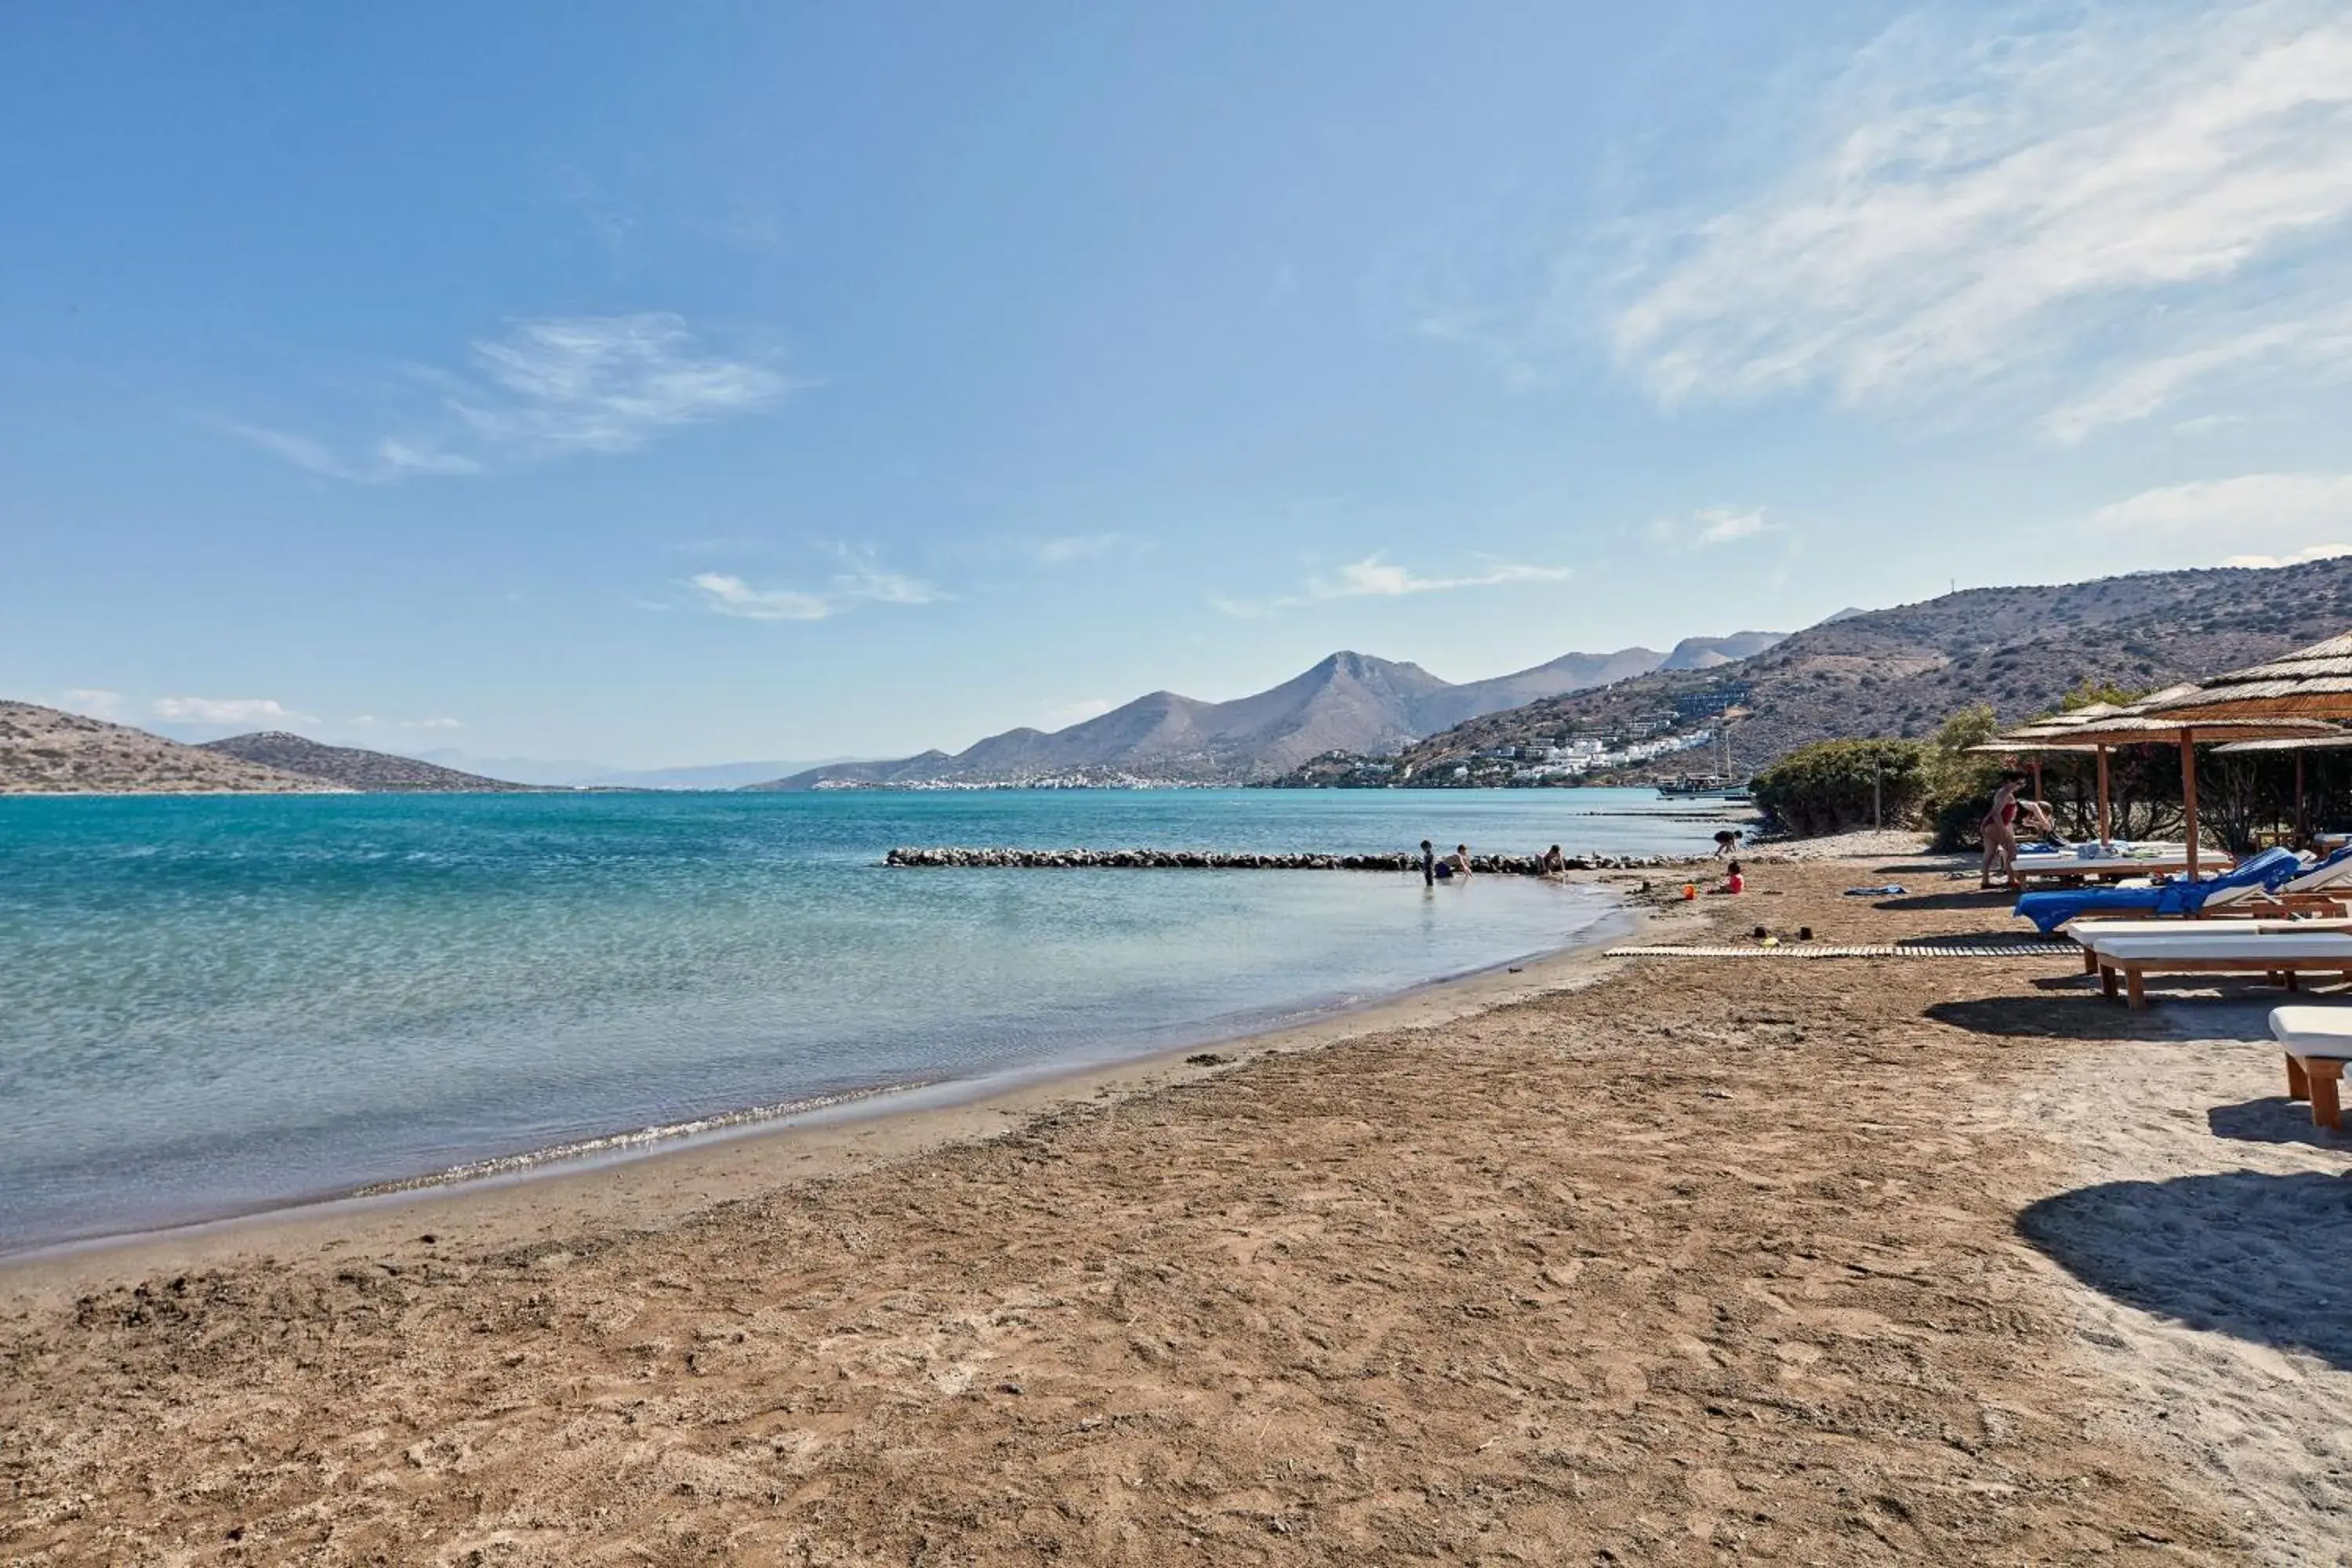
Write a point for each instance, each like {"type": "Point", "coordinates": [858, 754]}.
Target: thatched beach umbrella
{"type": "Point", "coordinates": [2314, 682]}
{"type": "Point", "coordinates": [2156, 721]}
{"type": "Point", "coordinates": [2297, 746]}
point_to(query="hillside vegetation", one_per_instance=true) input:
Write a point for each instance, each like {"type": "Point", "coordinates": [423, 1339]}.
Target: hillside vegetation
{"type": "Point", "coordinates": [1900, 672]}
{"type": "Point", "coordinates": [45, 751]}
{"type": "Point", "coordinates": [350, 767]}
{"type": "Point", "coordinates": [1348, 703]}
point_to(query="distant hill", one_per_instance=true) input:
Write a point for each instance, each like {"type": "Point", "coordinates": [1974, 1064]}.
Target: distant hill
{"type": "Point", "coordinates": [1899, 672]}
{"type": "Point", "coordinates": [350, 767]}
{"type": "Point", "coordinates": [1349, 701]}
{"type": "Point", "coordinates": [1706, 653]}
{"type": "Point", "coordinates": [45, 750]}
{"type": "Point", "coordinates": [577, 775]}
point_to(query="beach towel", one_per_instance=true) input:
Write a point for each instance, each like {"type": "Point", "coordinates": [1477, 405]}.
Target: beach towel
{"type": "Point", "coordinates": [2049, 911]}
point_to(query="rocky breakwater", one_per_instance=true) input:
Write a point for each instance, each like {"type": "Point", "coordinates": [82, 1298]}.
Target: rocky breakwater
{"type": "Point", "coordinates": [1242, 860]}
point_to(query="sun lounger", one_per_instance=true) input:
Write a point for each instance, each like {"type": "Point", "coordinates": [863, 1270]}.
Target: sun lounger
{"type": "Point", "coordinates": [2083, 863]}
{"type": "Point", "coordinates": [2089, 932]}
{"type": "Point", "coordinates": [2218, 950]}
{"type": "Point", "coordinates": [2328, 881]}
{"type": "Point", "coordinates": [2049, 911]}
{"type": "Point", "coordinates": [2318, 1042]}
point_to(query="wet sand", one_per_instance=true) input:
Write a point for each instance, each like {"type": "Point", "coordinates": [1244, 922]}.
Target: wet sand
{"type": "Point", "coordinates": [1638, 1261]}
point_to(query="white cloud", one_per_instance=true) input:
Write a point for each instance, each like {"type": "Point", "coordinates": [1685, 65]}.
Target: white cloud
{"type": "Point", "coordinates": [1973, 210]}
{"type": "Point", "coordinates": [2248, 504]}
{"type": "Point", "coordinates": [2206, 424]}
{"type": "Point", "coordinates": [733, 597]}
{"type": "Point", "coordinates": [1713, 525]}
{"type": "Point", "coordinates": [1723, 524]}
{"type": "Point", "coordinates": [2308, 552]}
{"type": "Point", "coordinates": [550, 388]}
{"type": "Point", "coordinates": [432, 723]}
{"type": "Point", "coordinates": [2316, 348]}
{"type": "Point", "coordinates": [1077, 712]}
{"type": "Point", "coordinates": [94, 701]}
{"type": "Point", "coordinates": [606, 383]}
{"type": "Point", "coordinates": [1072, 548]}
{"type": "Point", "coordinates": [228, 711]}
{"type": "Point", "coordinates": [861, 583]}
{"type": "Point", "coordinates": [1374, 578]}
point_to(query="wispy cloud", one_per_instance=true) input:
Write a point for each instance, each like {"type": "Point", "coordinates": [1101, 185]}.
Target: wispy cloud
{"type": "Point", "coordinates": [1722, 524]}
{"type": "Point", "coordinates": [94, 701]}
{"type": "Point", "coordinates": [2319, 347]}
{"type": "Point", "coordinates": [1713, 525]}
{"type": "Point", "coordinates": [2101, 203]}
{"type": "Point", "coordinates": [2308, 552]}
{"type": "Point", "coordinates": [369, 722]}
{"type": "Point", "coordinates": [861, 583]}
{"type": "Point", "coordinates": [2289, 503]}
{"type": "Point", "coordinates": [1077, 712]}
{"type": "Point", "coordinates": [548, 389]}
{"type": "Point", "coordinates": [1375, 578]}
{"type": "Point", "coordinates": [228, 711]}
{"type": "Point", "coordinates": [1070, 548]}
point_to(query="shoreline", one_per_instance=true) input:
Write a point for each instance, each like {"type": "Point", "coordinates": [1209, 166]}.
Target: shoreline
{"type": "Point", "coordinates": [641, 1185]}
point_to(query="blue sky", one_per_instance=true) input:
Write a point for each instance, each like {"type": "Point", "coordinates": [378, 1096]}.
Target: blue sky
{"type": "Point", "coordinates": [673, 384]}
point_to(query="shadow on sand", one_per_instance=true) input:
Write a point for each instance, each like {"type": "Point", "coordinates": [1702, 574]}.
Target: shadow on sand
{"type": "Point", "coordinates": [2257, 1257]}
{"type": "Point", "coordinates": [2070, 1008]}
{"type": "Point", "coordinates": [2278, 1119]}
{"type": "Point", "coordinates": [1969, 899]}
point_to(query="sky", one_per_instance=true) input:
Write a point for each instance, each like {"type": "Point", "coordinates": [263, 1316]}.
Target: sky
{"type": "Point", "coordinates": [676, 384]}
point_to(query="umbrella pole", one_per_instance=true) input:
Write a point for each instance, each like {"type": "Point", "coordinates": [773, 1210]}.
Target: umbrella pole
{"type": "Point", "coordinates": [2103, 836]}
{"type": "Point", "coordinates": [2037, 781]}
{"type": "Point", "coordinates": [2188, 794]}
{"type": "Point", "coordinates": [2300, 833]}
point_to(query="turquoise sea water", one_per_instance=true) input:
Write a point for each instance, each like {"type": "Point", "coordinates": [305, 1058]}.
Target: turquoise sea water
{"type": "Point", "coordinates": [214, 1005]}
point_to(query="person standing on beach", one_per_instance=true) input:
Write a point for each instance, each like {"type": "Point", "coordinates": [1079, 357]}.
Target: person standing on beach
{"type": "Point", "coordinates": [1999, 831]}
{"type": "Point", "coordinates": [1428, 864]}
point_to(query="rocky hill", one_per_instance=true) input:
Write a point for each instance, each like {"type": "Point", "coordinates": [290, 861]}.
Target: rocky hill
{"type": "Point", "coordinates": [45, 750]}
{"type": "Point", "coordinates": [1349, 701]}
{"type": "Point", "coordinates": [1898, 673]}
{"type": "Point", "coordinates": [348, 767]}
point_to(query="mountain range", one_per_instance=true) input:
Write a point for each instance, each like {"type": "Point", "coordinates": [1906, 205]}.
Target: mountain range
{"type": "Point", "coordinates": [1901, 671]}
{"type": "Point", "coordinates": [1349, 701]}
{"type": "Point", "coordinates": [47, 750]}
{"type": "Point", "coordinates": [348, 767]}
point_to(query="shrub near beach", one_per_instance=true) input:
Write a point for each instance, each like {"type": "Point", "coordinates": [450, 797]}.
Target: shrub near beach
{"type": "Point", "coordinates": [1832, 785]}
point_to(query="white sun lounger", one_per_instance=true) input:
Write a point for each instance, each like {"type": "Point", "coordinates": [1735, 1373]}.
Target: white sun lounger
{"type": "Point", "coordinates": [2327, 878]}
{"type": "Point", "coordinates": [2090, 932]}
{"type": "Point", "coordinates": [2072, 868]}
{"type": "Point", "coordinates": [2204, 950]}
{"type": "Point", "coordinates": [2318, 1042]}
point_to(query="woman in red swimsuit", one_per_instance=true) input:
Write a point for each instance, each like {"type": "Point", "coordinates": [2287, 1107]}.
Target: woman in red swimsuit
{"type": "Point", "coordinates": [1999, 830]}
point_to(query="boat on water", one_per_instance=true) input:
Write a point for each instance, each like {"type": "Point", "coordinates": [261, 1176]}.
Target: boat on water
{"type": "Point", "coordinates": [1705, 787]}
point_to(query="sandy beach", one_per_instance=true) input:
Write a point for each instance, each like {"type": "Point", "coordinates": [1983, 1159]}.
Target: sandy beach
{"type": "Point", "coordinates": [1626, 1260]}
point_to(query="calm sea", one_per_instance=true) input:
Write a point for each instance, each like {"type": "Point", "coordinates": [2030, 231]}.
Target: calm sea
{"type": "Point", "coordinates": [215, 1005]}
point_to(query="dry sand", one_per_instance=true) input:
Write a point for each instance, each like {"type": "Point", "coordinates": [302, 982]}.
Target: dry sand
{"type": "Point", "coordinates": [1821, 1261]}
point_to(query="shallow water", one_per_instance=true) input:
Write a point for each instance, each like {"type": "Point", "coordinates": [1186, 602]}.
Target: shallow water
{"type": "Point", "coordinates": [212, 1005]}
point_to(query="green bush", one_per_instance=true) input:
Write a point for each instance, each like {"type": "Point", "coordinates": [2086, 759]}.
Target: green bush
{"type": "Point", "coordinates": [1959, 823]}
{"type": "Point", "coordinates": [1826, 788]}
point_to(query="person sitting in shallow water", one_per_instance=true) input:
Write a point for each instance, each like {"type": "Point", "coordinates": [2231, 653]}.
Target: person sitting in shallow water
{"type": "Point", "coordinates": [1460, 861]}
{"type": "Point", "coordinates": [1555, 864]}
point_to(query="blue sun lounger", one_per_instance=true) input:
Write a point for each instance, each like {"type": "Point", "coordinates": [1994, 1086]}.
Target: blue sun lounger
{"type": "Point", "coordinates": [2052, 909]}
